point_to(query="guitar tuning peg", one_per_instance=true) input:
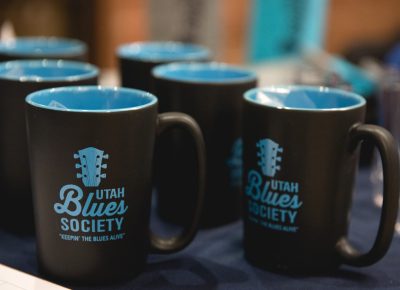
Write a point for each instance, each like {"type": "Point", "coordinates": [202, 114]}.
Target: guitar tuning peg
{"type": "Point", "coordinates": [280, 149]}
{"type": "Point", "coordinates": [104, 166]}
{"type": "Point", "coordinates": [78, 165]}
{"type": "Point", "coordinates": [279, 158]}
{"type": "Point", "coordinates": [79, 175]}
{"type": "Point", "coordinates": [277, 167]}
{"type": "Point", "coordinates": [76, 156]}
{"type": "Point", "coordinates": [105, 156]}
{"type": "Point", "coordinates": [103, 175]}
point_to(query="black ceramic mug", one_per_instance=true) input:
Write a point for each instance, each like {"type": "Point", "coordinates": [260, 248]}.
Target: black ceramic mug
{"type": "Point", "coordinates": [42, 48]}
{"type": "Point", "coordinates": [17, 80]}
{"type": "Point", "coordinates": [91, 160]}
{"type": "Point", "coordinates": [212, 94]}
{"type": "Point", "coordinates": [137, 59]}
{"type": "Point", "coordinates": [300, 157]}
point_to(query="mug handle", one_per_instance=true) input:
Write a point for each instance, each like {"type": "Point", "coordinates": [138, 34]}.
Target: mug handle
{"type": "Point", "coordinates": [388, 151]}
{"type": "Point", "coordinates": [173, 244]}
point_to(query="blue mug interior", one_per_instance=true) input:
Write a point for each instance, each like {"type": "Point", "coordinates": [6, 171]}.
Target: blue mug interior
{"type": "Point", "coordinates": [91, 99]}
{"type": "Point", "coordinates": [304, 98]}
{"type": "Point", "coordinates": [42, 46]}
{"type": "Point", "coordinates": [163, 51]}
{"type": "Point", "coordinates": [46, 70]}
{"type": "Point", "coordinates": [203, 73]}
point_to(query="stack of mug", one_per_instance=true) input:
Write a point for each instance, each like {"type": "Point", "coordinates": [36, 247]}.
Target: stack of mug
{"type": "Point", "coordinates": [215, 148]}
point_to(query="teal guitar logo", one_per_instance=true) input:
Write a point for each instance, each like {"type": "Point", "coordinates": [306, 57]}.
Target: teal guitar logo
{"type": "Point", "coordinates": [269, 155]}
{"type": "Point", "coordinates": [91, 163]}
{"type": "Point", "coordinates": [235, 164]}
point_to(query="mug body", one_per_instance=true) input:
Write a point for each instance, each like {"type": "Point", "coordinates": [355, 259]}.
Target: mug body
{"type": "Point", "coordinates": [137, 59]}
{"type": "Point", "coordinates": [212, 94]}
{"type": "Point", "coordinates": [43, 48]}
{"type": "Point", "coordinates": [91, 150]}
{"type": "Point", "coordinates": [298, 175]}
{"type": "Point", "coordinates": [17, 80]}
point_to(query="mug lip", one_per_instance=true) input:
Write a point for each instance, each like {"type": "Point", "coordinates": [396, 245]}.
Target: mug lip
{"type": "Point", "coordinates": [273, 88]}
{"type": "Point", "coordinates": [88, 70]}
{"type": "Point", "coordinates": [95, 89]}
{"type": "Point", "coordinates": [14, 47]}
{"type": "Point", "coordinates": [161, 72]}
{"type": "Point", "coordinates": [132, 51]}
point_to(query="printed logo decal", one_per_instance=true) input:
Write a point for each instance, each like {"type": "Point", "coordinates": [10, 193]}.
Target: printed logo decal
{"type": "Point", "coordinates": [271, 203]}
{"type": "Point", "coordinates": [235, 163]}
{"type": "Point", "coordinates": [99, 214]}
{"type": "Point", "coordinates": [91, 164]}
{"type": "Point", "coordinates": [269, 159]}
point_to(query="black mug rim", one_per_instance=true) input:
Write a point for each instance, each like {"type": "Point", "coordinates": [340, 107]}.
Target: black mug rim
{"type": "Point", "coordinates": [360, 101]}
{"type": "Point", "coordinates": [161, 72]}
{"type": "Point", "coordinates": [150, 99]}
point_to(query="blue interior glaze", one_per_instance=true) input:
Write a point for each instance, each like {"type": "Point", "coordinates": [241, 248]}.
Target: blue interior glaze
{"type": "Point", "coordinates": [46, 70]}
{"type": "Point", "coordinates": [42, 46]}
{"type": "Point", "coordinates": [203, 72]}
{"type": "Point", "coordinates": [163, 51]}
{"type": "Point", "coordinates": [304, 98]}
{"type": "Point", "coordinates": [91, 99]}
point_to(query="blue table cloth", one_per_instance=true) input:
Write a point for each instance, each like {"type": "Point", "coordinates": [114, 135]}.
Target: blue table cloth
{"type": "Point", "coordinates": [215, 259]}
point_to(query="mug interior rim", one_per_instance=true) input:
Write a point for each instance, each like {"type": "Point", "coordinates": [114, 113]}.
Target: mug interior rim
{"type": "Point", "coordinates": [152, 100]}
{"type": "Point", "coordinates": [40, 46]}
{"type": "Point", "coordinates": [162, 72]}
{"type": "Point", "coordinates": [87, 70]}
{"type": "Point", "coordinates": [359, 100]}
{"type": "Point", "coordinates": [134, 50]}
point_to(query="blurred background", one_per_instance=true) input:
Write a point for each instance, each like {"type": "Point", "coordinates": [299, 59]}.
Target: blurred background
{"type": "Point", "coordinates": [238, 31]}
{"type": "Point", "coordinates": [348, 44]}
{"type": "Point", "coordinates": [353, 45]}
{"type": "Point", "coordinates": [337, 43]}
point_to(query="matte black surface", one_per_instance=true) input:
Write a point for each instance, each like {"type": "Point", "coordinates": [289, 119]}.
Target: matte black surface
{"type": "Point", "coordinates": [136, 73]}
{"type": "Point", "coordinates": [216, 107]}
{"type": "Point", "coordinates": [320, 154]}
{"type": "Point", "coordinates": [76, 57]}
{"type": "Point", "coordinates": [16, 207]}
{"type": "Point", "coordinates": [127, 137]}
{"type": "Point", "coordinates": [215, 259]}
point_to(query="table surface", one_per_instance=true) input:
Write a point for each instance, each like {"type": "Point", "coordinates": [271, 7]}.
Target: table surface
{"type": "Point", "coordinates": [215, 259]}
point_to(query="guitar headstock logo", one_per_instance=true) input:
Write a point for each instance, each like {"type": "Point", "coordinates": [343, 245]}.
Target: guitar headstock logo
{"type": "Point", "coordinates": [91, 165]}
{"type": "Point", "coordinates": [269, 158]}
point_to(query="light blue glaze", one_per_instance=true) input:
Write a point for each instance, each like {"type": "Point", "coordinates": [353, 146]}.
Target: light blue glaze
{"type": "Point", "coordinates": [91, 99]}
{"type": "Point", "coordinates": [210, 72]}
{"type": "Point", "coordinates": [42, 46]}
{"type": "Point", "coordinates": [46, 70]}
{"type": "Point", "coordinates": [304, 98]}
{"type": "Point", "coordinates": [163, 51]}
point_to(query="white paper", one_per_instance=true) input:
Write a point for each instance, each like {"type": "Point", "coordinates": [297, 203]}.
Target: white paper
{"type": "Point", "coordinates": [11, 279]}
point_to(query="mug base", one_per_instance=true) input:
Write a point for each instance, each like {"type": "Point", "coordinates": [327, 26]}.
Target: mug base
{"type": "Point", "coordinates": [295, 269]}
{"type": "Point", "coordinates": [90, 280]}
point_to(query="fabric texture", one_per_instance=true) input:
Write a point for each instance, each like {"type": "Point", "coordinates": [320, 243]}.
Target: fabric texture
{"type": "Point", "coordinates": [215, 259]}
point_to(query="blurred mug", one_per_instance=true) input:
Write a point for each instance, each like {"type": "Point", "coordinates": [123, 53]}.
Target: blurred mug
{"type": "Point", "coordinates": [300, 152]}
{"type": "Point", "coordinates": [389, 118]}
{"type": "Point", "coordinates": [91, 159]}
{"type": "Point", "coordinates": [137, 59]}
{"type": "Point", "coordinates": [212, 94]}
{"type": "Point", "coordinates": [17, 80]}
{"type": "Point", "coordinates": [42, 48]}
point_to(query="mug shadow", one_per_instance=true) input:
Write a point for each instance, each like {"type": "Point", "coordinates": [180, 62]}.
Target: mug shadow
{"type": "Point", "coordinates": [342, 277]}
{"type": "Point", "coordinates": [187, 273]}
